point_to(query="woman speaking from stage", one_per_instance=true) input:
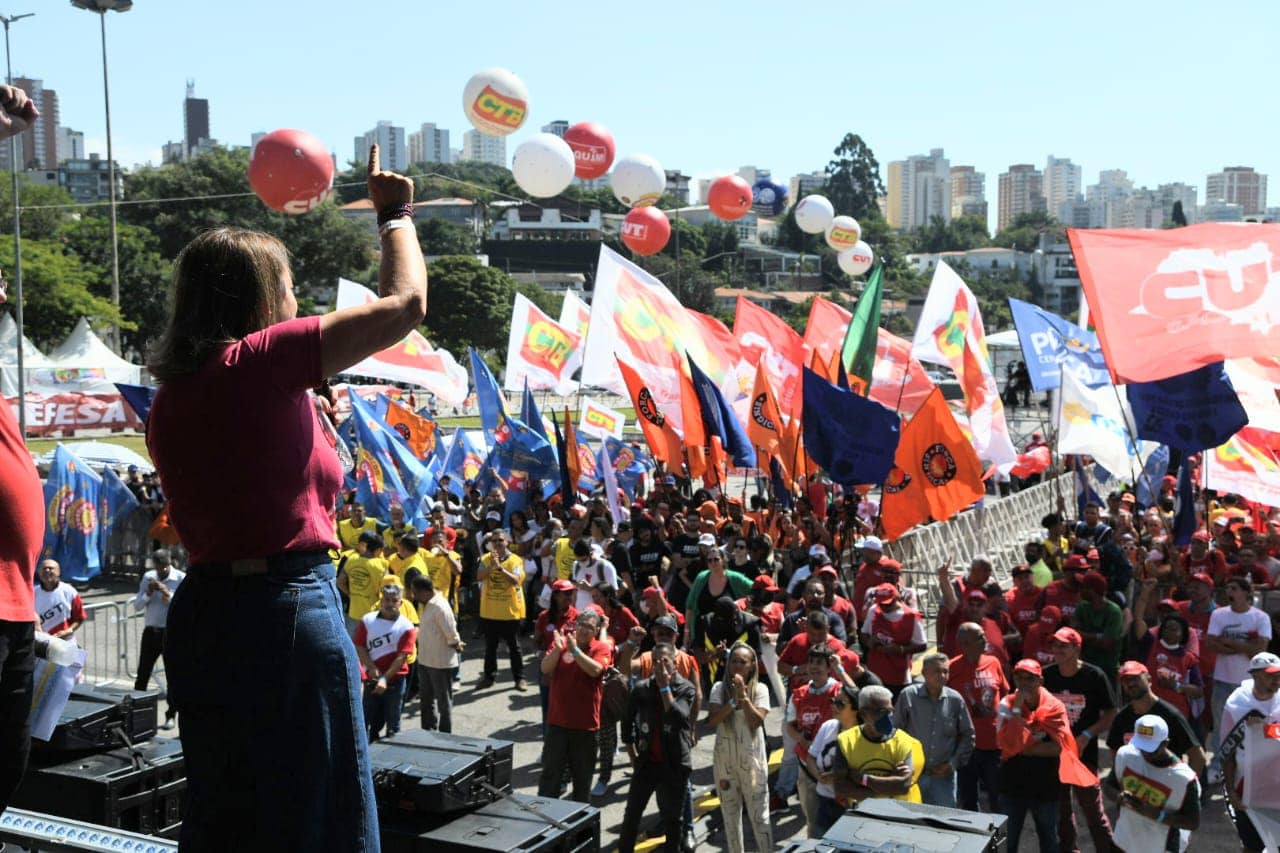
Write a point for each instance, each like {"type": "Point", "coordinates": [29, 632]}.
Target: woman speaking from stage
{"type": "Point", "coordinates": [261, 669]}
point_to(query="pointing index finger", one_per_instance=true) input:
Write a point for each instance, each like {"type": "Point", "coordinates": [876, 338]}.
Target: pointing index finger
{"type": "Point", "coordinates": [374, 165]}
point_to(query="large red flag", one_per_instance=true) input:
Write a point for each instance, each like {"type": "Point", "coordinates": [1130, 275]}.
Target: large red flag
{"type": "Point", "coordinates": [898, 381]}
{"type": "Point", "coordinates": [769, 343]}
{"type": "Point", "coordinates": [1168, 301]}
{"type": "Point", "coordinates": [658, 432]}
{"type": "Point", "coordinates": [824, 333]}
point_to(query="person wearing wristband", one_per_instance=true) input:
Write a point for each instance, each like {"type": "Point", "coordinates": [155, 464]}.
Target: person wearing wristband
{"type": "Point", "coordinates": [737, 707]}
{"type": "Point", "coordinates": [385, 639]}
{"type": "Point", "coordinates": [658, 740]}
{"type": "Point", "coordinates": [1159, 793]}
{"type": "Point", "coordinates": [256, 652]}
{"type": "Point", "coordinates": [574, 665]}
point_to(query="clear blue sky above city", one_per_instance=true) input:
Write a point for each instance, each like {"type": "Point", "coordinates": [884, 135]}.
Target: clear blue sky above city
{"type": "Point", "coordinates": [1168, 92]}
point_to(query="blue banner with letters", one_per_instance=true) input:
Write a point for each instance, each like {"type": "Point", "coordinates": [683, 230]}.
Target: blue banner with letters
{"type": "Point", "coordinates": [1052, 346]}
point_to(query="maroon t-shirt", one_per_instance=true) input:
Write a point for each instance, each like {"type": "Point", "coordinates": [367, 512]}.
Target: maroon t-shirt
{"type": "Point", "coordinates": [21, 522]}
{"type": "Point", "coordinates": [575, 696]}
{"type": "Point", "coordinates": [240, 451]}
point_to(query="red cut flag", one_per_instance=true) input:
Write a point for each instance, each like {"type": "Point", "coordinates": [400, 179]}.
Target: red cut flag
{"type": "Point", "coordinates": [767, 342]}
{"type": "Point", "coordinates": [1166, 302]}
{"type": "Point", "coordinates": [824, 332]}
{"type": "Point", "coordinates": [898, 381]}
{"type": "Point", "coordinates": [658, 432]}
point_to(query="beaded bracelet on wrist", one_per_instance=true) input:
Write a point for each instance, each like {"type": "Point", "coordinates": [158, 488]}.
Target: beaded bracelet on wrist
{"type": "Point", "coordinates": [394, 211]}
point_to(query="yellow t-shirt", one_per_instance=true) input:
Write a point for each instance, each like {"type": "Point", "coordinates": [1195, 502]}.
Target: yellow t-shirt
{"type": "Point", "coordinates": [364, 579]}
{"type": "Point", "coordinates": [877, 759]}
{"type": "Point", "coordinates": [348, 533]}
{"type": "Point", "coordinates": [500, 599]}
{"type": "Point", "coordinates": [388, 535]}
{"type": "Point", "coordinates": [442, 576]}
{"type": "Point", "coordinates": [564, 558]}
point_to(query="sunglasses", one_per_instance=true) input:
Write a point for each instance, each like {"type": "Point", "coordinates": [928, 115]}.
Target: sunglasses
{"type": "Point", "coordinates": [714, 560]}
{"type": "Point", "coordinates": [839, 705]}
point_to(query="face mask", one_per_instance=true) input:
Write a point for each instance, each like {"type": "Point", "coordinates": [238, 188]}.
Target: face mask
{"type": "Point", "coordinates": [885, 726]}
{"type": "Point", "coordinates": [1170, 646]}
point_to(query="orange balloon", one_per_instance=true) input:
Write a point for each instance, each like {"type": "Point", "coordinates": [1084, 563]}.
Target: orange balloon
{"type": "Point", "coordinates": [729, 198]}
{"type": "Point", "coordinates": [645, 230]}
{"type": "Point", "coordinates": [291, 171]}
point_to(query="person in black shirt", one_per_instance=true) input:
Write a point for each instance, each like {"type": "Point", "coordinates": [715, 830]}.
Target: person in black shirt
{"type": "Point", "coordinates": [1135, 685]}
{"type": "Point", "coordinates": [1092, 530]}
{"type": "Point", "coordinates": [650, 556]}
{"type": "Point", "coordinates": [815, 593]}
{"type": "Point", "coordinates": [1091, 706]}
{"type": "Point", "coordinates": [717, 632]}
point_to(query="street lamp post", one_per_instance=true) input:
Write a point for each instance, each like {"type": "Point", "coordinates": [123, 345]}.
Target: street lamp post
{"type": "Point", "coordinates": [101, 8]}
{"type": "Point", "coordinates": [17, 240]}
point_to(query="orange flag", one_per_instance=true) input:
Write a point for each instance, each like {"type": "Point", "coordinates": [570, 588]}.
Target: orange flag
{"type": "Point", "coordinates": [695, 434]}
{"type": "Point", "coordinates": [162, 529]}
{"type": "Point", "coordinates": [764, 423]}
{"type": "Point", "coordinates": [821, 367]}
{"type": "Point", "coordinates": [419, 432]}
{"type": "Point", "coordinates": [658, 432]}
{"type": "Point", "coordinates": [572, 460]}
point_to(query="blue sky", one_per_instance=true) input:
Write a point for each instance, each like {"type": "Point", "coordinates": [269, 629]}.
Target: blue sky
{"type": "Point", "coordinates": [1167, 91]}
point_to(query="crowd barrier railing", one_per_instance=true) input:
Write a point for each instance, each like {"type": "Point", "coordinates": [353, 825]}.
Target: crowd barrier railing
{"type": "Point", "coordinates": [112, 637]}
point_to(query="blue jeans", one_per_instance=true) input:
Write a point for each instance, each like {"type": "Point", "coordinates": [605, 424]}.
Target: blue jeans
{"type": "Point", "coordinates": [1043, 812]}
{"type": "Point", "coordinates": [385, 709]}
{"type": "Point", "coordinates": [1222, 690]}
{"type": "Point", "coordinates": [938, 790]}
{"type": "Point", "coordinates": [264, 679]}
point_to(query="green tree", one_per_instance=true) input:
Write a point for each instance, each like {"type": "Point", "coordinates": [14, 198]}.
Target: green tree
{"type": "Point", "coordinates": [468, 304]}
{"type": "Point", "coordinates": [691, 241]}
{"type": "Point", "coordinates": [41, 217]}
{"type": "Point", "coordinates": [549, 303]}
{"type": "Point", "coordinates": [961, 233]}
{"type": "Point", "coordinates": [853, 179]}
{"type": "Point", "coordinates": [1024, 232]}
{"type": "Point", "coordinates": [721, 242]}
{"type": "Point", "coordinates": [57, 290]}
{"type": "Point", "coordinates": [144, 273]}
{"type": "Point", "coordinates": [691, 284]}
{"type": "Point", "coordinates": [442, 237]}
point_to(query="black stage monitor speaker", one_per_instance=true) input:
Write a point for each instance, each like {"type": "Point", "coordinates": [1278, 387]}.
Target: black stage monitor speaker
{"type": "Point", "coordinates": [993, 826]}
{"type": "Point", "coordinates": [101, 717]}
{"type": "Point", "coordinates": [854, 833]}
{"type": "Point", "coordinates": [419, 774]}
{"type": "Point", "coordinates": [519, 824]}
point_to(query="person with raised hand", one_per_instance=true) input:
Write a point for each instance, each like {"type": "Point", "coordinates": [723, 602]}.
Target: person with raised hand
{"type": "Point", "coordinates": [259, 662]}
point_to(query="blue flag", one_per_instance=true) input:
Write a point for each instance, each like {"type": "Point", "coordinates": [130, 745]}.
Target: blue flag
{"type": "Point", "coordinates": [115, 504]}
{"type": "Point", "coordinates": [779, 483]}
{"type": "Point", "coordinates": [1147, 489]}
{"type": "Point", "coordinates": [852, 437]}
{"type": "Point", "coordinates": [529, 412]}
{"type": "Point", "coordinates": [1052, 346]}
{"type": "Point", "coordinates": [463, 461]}
{"type": "Point", "coordinates": [1184, 507]}
{"type": "Point", "coordinates": [628, 467]}
{"type": "Point", "coordinates": [521, 458]}
{"type": "Point", "coordinates": [719, 418]}
{"type": "Point", "coordinates": [73, 531]}
{"type": "Point", "coordinates": [569, 494]}
{"type": "Point", "coordinates": [488, 396]}
{"type": "Point", "coordinates": [139, 397]}
{"type": "Point", "coordinates": [1189, 412]}
{"type": "Point", "coordinates": [386, 471]}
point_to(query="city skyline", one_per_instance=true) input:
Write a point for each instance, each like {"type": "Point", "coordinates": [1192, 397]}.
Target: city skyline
{"type": "Point", "coordinates": [988, 105]}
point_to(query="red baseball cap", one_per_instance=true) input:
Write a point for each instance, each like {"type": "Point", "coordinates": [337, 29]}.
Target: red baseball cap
{"type": "Point", "coordinates": [1051, 614]}
{"type": "Point", "coordinates": [1167, 604]}
{"type": "Point", "coordinates": [1203, 578]}
{"type": "Point", "coordinates": [562, 585]}
{"type": "Point", "coordinates": [1076, 562]}
{"type": "Point", "coordinates": [1030, 666]}
{"type": "Point", "coordinates": [764, 582]}
{"type": "Point", "coordinates": [976, 595]}
{"type": "Point", "coordinates": [886, 592]}
{"type": "Point", "coordinates": [1133, 667]}
{"type": "Point", "coordinates": [1070, 636]}
{"type": "Point", "coordinates": [1200, 536]}
{"type": "Point", "coordinates": [1093, 554]}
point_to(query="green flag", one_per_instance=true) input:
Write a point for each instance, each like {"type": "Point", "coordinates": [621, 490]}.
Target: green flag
{"type": "Point", "coordinates": [859, 351]}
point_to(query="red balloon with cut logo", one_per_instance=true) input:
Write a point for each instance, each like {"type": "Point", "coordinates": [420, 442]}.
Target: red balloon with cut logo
{"type": "Point", "coordinates": [291, 171]}
{"type": "Point", "coordinates": [646, 230]}
{"type": "Point", "coordinates": [729, 197]}
{"type": "Point", "coordinates": [593, 149]}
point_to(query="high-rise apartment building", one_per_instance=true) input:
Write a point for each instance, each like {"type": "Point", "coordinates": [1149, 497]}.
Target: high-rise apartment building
{"type": "Point", "coordinates": [1062, 180]}
{"type": "Point", "coordinates": [968, 192]}
{"type": "Point", "coordinates": [70, 145]}
{"type": "Point", "coordinates": [391, 146]}
{"type": "Point", "coordinates": [484, 148]}
{"type": "Point", "coordinates": [37, 146]}
{"type": "Point", "coordinates": [195, 121]}
{"type": "Point", "coordinates": [1238, 185]}
{"type": "Point", "coordinates": [557, 127]}
{"type": "Point", "coordinates": [918, 189]}
{"type": "Point", "coordinates": [1021, 191]}
{"type": "Point", "coordinates": [806, 184]}
{"type": "Point", "coordinates": [429, 144]}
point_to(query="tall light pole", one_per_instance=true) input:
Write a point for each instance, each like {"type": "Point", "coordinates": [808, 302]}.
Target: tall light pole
{"type": "Point", "coordinates": [17, 240]}
{"type": "Point", "coordinates": [102, 7]}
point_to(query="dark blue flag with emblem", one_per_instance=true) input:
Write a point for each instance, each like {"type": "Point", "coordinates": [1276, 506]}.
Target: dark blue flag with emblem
{"type": "Point", "coordinates": [852, 437]}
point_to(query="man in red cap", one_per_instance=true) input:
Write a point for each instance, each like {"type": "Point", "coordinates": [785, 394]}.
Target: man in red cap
{"type": "Point", "coordinates": [1086, 693]}
{"type": "Point", "coordinates": [1198, 558]}
{"type": "Point", "coordinates": [978, 577]}
{"type": "Point", "coordinates": [979, 678]}
{"type": "Point", "coordinates": [1023, 603]}
{"type": "Point", "coordinates": [1038, 644]}
{"type": "Point", "coordinates": [890, 573]}
{"type": "Point", "coordinates": [868, 574]}
{"type": "Point", "coordinates": [835, 602]}
{"type": "Point", "coordinates": [1135, 686]}
{"type": "Point", "coordinates": [1064, 593]}
{"type": "Point", "coordinates": [891, 634]}
{"type": "Point", "coordinates": [763, 604]}
{"type": "Point", "coordinates": [1197, 610]}
{"type": "Point", "coordinates": [973, 609]}
{"type": "Point", "coordinates": [1100, 623]}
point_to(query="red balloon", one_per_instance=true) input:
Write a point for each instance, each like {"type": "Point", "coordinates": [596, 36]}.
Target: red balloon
{"type": "Point", "coordinates": [646, 230]}
{"type": "Point", "coordinates": [593, 149]}
{"type": "Point", "coordinates": [291, 171]}
{"type": "Point", "coordinates": [729, 197]}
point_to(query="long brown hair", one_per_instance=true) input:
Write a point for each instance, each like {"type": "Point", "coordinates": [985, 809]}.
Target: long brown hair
{"type": "Point", "coordinates": [227, 283]}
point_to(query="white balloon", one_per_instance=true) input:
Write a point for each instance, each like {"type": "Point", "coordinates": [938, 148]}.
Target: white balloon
{"type": "Point", "coordinates": [814, 213]}
{"type": "Point", "coordinates": [543, 165]}
{"type": "Point", "coordinates": [496, 101]}
{"type": "Point", "coordinates": [638, 180]}
{"type": "Point", "coordinates": [843, 232]}
{"type": "Point", "coordinates": [856, 260]}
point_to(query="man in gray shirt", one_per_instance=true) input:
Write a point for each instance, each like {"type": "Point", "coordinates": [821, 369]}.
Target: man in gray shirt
{"type": "Point", "coordinates": [936, 715]}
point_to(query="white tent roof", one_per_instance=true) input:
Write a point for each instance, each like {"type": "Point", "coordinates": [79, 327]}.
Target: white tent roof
{"type": "Point", "coordinates": [31, 357]}
{"type": "Point", "coordinates": [84, 349]}
{"type": "Point", "coordinates": [1004, 340]}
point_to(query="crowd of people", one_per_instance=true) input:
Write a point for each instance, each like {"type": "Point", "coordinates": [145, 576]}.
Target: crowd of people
{"type": "Point", "coordinates": [697, 615]}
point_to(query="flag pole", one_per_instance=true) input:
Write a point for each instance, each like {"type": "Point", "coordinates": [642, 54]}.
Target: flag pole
{"type": "Point", "coordinates": [897, 410]}
{"type": "Point", "coordinates": [1133, 439]}
{"type": "Point", "coordinates": [1055, 457]}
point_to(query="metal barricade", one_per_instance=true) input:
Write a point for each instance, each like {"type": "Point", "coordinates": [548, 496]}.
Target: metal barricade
{"type": "Point", "coordinates": [102, 639]}
{"type": "Point", "coordinates": [131, 627]}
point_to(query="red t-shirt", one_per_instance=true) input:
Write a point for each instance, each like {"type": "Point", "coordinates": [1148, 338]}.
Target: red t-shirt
{"type": "Point", "coordinates": [240, 452]}
{"type": "Point", "coordinates": [771, 615]}
{"type": "Point", "coordinates": [575, 696]}
{"type": "Point", "coordinates": [544, 629]}
{"type": "Point", "coordinates": [867, 577]}
{"type": "Point", "coordinates": [894, 669]}
{"type": "Point", "coordinates": [995, 639]}
{"type": "Point", "coordinates": [1038, 643]}
{"type": "Point", "coordinates": [1199, 622]}
{"type": "Point", "coordinates": [450, 536]}
{"type": "Point", "coordinates": [1064, 599]}
{"type": "Point", "coordinates": [21, 519]}
{"type": "Point", "coordinates": [982, 686]}
{"type": "Point", "coordinates": [1024, 608]}
{"type": "Point", "coordinates": [621, 621]}
{"type": "Point", "coordinates": [1167, 664]}
{"type": "Point", "coordinates": [383, 639]}
{"type": "Point", "coordinates": [813, 708]}
{"type": "Point", "coordinates": [796, 653]}
{"type": "Point", "coordinates": [1213, 564]}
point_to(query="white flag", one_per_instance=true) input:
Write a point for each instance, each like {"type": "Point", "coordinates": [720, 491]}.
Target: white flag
{"type": "Point", "coordinates": [539, 349]}
{"type": "Point", "coordinates": [610, 482]}
{"type": "Point", "coordinates": [1095, 422]}
{"type": "Point", "coordinates": [575, 317]}
{"type": "Point", "coordinates": [599, 420]}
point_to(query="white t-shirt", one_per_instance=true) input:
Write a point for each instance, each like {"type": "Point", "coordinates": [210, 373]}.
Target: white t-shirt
{"type": "Point", "coordinates": [594, 573]}
{"type": "Point", "coordinates": [1228, 624]}
{"type": "Point", "coordinates": [823, 749]}
{"type": "Point", "coordinates": [53, 607]}
{"type": "Point", "coordinates": [1163, 787]}
{"type": "Point", "coordinates": [1239, 704]}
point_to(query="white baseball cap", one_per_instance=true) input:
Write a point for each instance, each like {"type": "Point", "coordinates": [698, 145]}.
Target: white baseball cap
{"type": "Point", "coordinates": [872, 543]}
{"type": "Point", "coordinates": [815, 550]}
{"type": "Point", "coordinates": [1149, 731]}
{"type": "Point", "coordinates": [1264, 662]}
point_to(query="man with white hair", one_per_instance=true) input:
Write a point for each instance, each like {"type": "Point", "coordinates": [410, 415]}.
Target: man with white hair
{"type": "Point", "coordinates": [876, 759]}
